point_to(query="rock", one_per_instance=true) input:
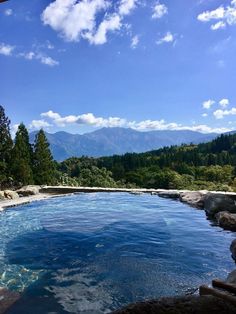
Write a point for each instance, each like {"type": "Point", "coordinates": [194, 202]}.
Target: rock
{"type": "Point", "coordinates": [226, 220]}
{"type": "Point", "coordinates": [2, 196]}
{"type": "Point", "coordinates": [233, 249]}
{"type": "Point", "coordinates": [29, 190]}
{"type": "Point", "coordinates": [7, 299]}
{"type": "Point", "coordinates": [218, 202]}
{"type": "Point", "coordinates": [11, 195]}
{"type": "Point", "coordinates": [169, 194]}
{"type": "Point", "coordinates": [154, 193]}
{"type": "Point", "coordinates": [180, 305]}
{"type": "Point", "coordinates": [195, 199]}
{"type": "Point", "coordinates": [232, 277]}
{"type": "Point", "coordinates": [136, 193]}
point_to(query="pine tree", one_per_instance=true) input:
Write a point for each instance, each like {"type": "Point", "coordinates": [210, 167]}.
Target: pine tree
{"type": "Point", "coordinates": [5, 146]}
{"type": "Point", "coordinates": [21, 162]}
{"type": "Point", "coordinates": [44, 169]}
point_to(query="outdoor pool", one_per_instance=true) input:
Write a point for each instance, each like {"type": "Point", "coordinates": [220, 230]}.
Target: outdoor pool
{"type": "Point", "coordinates": [94, 253]}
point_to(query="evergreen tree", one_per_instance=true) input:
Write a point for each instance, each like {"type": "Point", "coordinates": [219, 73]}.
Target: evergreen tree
{"type": "Point", "coordinates": [44, 168]}
{"type": "Point", "coordinates": [5, 146]}
{"type": "Point", "coordinates": [21, 164]}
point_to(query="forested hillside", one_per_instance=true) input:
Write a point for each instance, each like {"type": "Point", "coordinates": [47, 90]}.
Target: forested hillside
{"type": "Point", "coordinates": [204, 166]}
{"type": "Point", "coordinates": [209, 165]}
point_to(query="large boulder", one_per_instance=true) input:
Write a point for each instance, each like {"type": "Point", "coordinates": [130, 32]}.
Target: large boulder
{"type": "Point", "coordinates": [226, 220]}
{"type": "Point", "coordinates": [169, 194]}
{"type": "Point", "coordinates": [7, 299]}
{"type": "Point", "coordinates": [232, 277]}
{"type": "Point", "coordinates": [195, 199]}
{"type": "Point", "coordinates": [11, 195]}
{"type": "Point", "coordinates": [28, 190]}
{"type": "Point", "coordinates": [233, 249]}
{"type": "Point", "coordinates": [218, 202]}
{"type": "Point", "coordinates": [180, 305]}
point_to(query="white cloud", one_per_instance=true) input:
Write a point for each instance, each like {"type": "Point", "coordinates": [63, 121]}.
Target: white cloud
{"type": "Point", "coordinates": [159, 11]}
{"type": "Point", "coordinates": [220, 114]}
{"type": "Point", "coordinates": [39, 124]}
{"type": "Point", "coordinates": [134, 42]}
{"type": "Point", "coordinates": [218, 25]}
{"type": "Point", "coordinates": [126, 6]}
{"type": "Point", "coordinates": [91, 120]}
{"type": "Point", "coordinates": [44, 59]}
{"type": "Point", "coordinates": [208, 104]}
{"type": "Point", "coordinates": [216, 14]}
{"type": "Point", "coordinates": [8, 12]}
{"type": "Point", "coordinates": [225, 14]}
{"type": "Point", "coordinates": [204, 115]}
{"type": "Point", "coordinates": [224, 102]}
{"type": "Point", "coordinates": [168, 38]}
{"type": "Point", "coordinates": [73, 19]}
{"type": "Point", "coordinates": [87, 119]}
{"type": "Point", "coordinates": [48, 61]}
{"type": "Point", "coordinates": [6, 50]}
{"type": "Point", "coordinates": [76, 20]}
{"type": "Point", "coordinates": [14, 129]}
{"type": "Point", "coordinates": [111, 23]}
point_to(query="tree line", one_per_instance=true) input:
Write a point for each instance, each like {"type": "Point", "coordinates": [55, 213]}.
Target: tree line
{"type": "Point", "coordinates": [209, 165]}
{"type": "Point", "coordinates": [22, 163]}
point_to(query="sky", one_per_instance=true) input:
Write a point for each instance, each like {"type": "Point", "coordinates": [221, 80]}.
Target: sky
{"type": "Point", "coordinates": [76, 66]}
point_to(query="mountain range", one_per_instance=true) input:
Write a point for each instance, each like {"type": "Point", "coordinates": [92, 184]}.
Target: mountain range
{"type": "Point", "coordinates": [110, 141]}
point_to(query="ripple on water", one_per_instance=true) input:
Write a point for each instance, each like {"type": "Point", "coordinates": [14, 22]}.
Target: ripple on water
{"type": "Point", "coordinates": [92, 253]}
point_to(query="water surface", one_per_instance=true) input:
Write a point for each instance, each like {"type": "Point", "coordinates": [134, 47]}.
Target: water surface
{"type": "Point", "coordinates": [93, 253]}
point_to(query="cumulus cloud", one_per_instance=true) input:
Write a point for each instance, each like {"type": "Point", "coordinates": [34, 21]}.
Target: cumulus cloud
{"type": "Point", "coordinates": [111, 23]}
{"type": "Point", "coordinates": [76, 20]}
{"type": "Point", "coordinates": [39, 124]}
{"type": "Point", "coordinates": [8, 12]}
{"type": "Point", "coordinates": [224, 102]}
{"type": "Point", "coordinates": [90, 119]}
{"type": "Point", "coordinates": [73, 19]}
{"type": "Point", "coordinates": [204, 115]}
{"type": "Point", "coordinates": [168, 38]}
{"type": "Point", "coordinates": [208, 104]}
{"type": "Point", "coordinates": [159, 11]}
{"type": "Point", "coordinates": [84, 119]}
{"type": "Point", "coordinates": [134, 42]}
{"type": "Point", "coordinates": [126, 6]}
{"type": "Point", "coordinates": [218, 25]}
{"type": "Point", "coordinates": [226, 15]}
{"type": "Point", "coordinates": [6, 50]}
{"type": "Point", "coordinates": [220, 113]}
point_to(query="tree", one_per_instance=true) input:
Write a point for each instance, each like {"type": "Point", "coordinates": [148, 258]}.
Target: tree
{"type": "Point", "coordinates": [44, 167]}
{"type": "Point", "coordinates": [5, 146]}
{"type": "Point", "coordinates": [21, 162]}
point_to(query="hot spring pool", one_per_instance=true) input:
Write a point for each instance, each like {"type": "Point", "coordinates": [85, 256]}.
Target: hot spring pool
{"type": "Point", "coordinates": [94, 253]}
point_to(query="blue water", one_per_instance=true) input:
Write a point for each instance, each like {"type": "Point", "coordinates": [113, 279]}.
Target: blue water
{"type": "Point", "coordinates": [93, 253]}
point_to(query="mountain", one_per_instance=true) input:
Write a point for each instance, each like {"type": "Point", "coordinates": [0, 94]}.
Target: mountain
{"type": "Point", "coordinates": [110, 141]}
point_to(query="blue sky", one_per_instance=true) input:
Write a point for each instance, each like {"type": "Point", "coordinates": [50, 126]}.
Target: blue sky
{"type": "Point", "coordinates": [150, 65]}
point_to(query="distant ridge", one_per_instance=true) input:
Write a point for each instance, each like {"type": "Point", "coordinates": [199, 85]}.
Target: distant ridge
{"type": "Point", "coordinates": [110, 141]}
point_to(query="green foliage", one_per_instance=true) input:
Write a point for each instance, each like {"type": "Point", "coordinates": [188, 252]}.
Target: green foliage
{"type": "Point", "coordinates": [206, 166]}
{"type": "Point", "coordinates": [43, 165]}
{"type": "Point", "coordinates": [5, 147]}
{"type": "Point", "coordinates": [21, 161]}
{"type": "Point", "coordinates": [210, 166]}
{"type": "Point", "coordinates": [84, 172]}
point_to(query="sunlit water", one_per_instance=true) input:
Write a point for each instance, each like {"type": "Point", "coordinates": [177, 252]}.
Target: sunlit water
{"type": "Point", "coordinates": [93, 253]}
